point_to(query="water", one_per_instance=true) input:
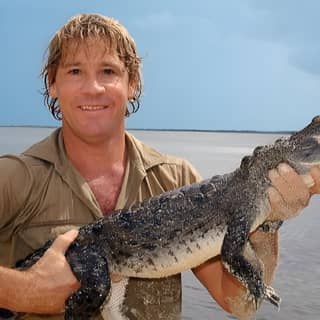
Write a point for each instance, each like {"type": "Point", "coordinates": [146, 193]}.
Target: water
{"type": "Point", "coordinates": [298, 275]}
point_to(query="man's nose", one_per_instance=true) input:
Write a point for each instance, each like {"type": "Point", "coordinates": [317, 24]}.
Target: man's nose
{"type": "Point", "coordinates": [92, 85]}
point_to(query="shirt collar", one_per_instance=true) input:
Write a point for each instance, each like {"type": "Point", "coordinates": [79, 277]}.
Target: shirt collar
{"type": "Point", "coordinates": [51, 149]}
{"type": "Point", "coordinates": [141, 158]}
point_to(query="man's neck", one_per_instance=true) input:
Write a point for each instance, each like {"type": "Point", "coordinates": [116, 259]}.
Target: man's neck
{"type": "Point", "coordinates": [101, 163]}
{"type": "Point", "coordinates": [95, 158]}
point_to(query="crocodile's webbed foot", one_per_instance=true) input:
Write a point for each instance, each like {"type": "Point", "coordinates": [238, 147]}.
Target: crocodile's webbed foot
{"type": "Point", "coordinates": [259, 291]}
{"type": "Point", "coordinates": [91, 269]}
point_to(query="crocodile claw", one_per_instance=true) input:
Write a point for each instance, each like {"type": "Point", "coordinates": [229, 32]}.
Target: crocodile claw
{"type": "Point", "coordinates": [263, 292]}
{"type": "Point", "coordinates": [272, 296]}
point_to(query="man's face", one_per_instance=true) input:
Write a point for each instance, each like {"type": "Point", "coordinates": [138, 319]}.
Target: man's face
{"type": "Point", "coordinates": [92, 86]}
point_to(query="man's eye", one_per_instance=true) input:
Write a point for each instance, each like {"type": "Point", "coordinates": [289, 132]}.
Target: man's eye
{"type": "Point", "coordinates": [108, 71]}
{"type": "Point", "coordinates": [74, 71]}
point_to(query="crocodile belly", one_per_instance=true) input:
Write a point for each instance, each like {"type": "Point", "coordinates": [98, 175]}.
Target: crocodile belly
{"type": "Point", "coordinates": [180, 255]}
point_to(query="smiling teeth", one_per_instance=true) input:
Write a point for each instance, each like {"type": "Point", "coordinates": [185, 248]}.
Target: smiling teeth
{"type": "Point", "coordinates": [91, 108]}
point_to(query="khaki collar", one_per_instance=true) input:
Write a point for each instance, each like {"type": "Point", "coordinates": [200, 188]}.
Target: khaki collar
{"type": "Point", "coordinates": [52, 150]}
{"type": "Point", "coordinates": [141, 158]}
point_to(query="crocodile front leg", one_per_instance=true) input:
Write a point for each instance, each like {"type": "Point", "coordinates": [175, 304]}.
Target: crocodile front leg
{"type": "Point", "coordinates": [248, 272]}
{"type": "Point", "coordinates": [91, 269]}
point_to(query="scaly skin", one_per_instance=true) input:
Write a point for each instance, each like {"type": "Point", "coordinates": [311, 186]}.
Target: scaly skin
{"type": "Point", "coordinates": [183, 228]}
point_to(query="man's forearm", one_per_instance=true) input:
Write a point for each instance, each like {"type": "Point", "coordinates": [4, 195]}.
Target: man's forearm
{"type": "Point", "coordinates": [44, 287]}
{"type": "Point", "coordinates": [13, 288]}
{"type": "Point", "coordinates": [265, 247]}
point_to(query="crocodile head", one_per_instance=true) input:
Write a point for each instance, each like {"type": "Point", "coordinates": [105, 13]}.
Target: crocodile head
{"type": "Point", "coordinates": [305, 147]}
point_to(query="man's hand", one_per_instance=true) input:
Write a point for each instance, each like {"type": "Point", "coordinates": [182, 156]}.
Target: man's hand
{"type": "Point", "coordinates": [315, 174]}
{"type": "Point", "coordinates": [290, 192]}
{"type": "Point", "coordinates": [51, 279]}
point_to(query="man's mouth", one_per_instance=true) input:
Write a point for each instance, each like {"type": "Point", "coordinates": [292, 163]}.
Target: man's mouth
{"type": "Point", "coordinates": [92, 108]}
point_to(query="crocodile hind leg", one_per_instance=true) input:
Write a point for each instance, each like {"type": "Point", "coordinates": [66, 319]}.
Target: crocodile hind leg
{"type": "Point", "coordinates": [251, 256]}
{"type": "Point", "coordinates": [248, 271]}
{"type": "Point", "coordinates": [91, 269]}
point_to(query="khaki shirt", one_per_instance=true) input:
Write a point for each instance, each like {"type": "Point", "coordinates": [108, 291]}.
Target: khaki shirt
{"type": "Point", "coordinates": [43, 195]}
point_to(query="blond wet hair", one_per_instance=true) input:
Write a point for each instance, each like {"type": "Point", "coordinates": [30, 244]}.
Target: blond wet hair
{"type": "Point", "coordinates": [92, 26]}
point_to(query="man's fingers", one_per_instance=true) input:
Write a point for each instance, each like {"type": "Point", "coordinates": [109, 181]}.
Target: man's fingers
{"type": "Point", "coordinates": [308, 180]}
{"type": "Point", "coordinates": [289, 192]}
{"type": "Point", "coordinates": [276, 201]}
{"type": "Point", "coordinates": [63, 241]}
{"type": "Point", "coordinates": [290, 185]}
{"type": "Point", "coordinates": [315, 174]}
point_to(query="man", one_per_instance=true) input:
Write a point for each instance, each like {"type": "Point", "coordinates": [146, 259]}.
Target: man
{"type": "Point", "coordinates": [92, 166]}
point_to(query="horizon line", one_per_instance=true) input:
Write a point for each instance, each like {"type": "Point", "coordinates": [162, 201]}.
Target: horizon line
{"type": "Point", "coordinates": [172, 130]}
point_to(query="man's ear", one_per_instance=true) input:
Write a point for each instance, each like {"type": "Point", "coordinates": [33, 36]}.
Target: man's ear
{"type": "Point", "coordinates": [53, 90]}
{"type": "Point", "coordinates": [132, 89]}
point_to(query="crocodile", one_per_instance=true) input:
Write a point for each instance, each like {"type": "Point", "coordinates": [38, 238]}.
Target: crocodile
{"type": "Point", "coordinates": [183, 228]}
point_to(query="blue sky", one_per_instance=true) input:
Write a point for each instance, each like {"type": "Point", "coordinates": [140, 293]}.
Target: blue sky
{"type": "Point", "coordinates": [207, 64]}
